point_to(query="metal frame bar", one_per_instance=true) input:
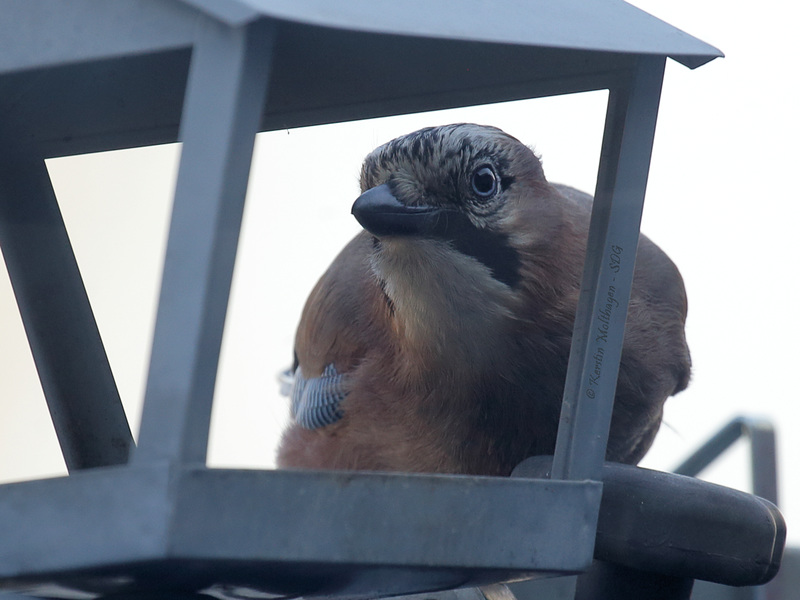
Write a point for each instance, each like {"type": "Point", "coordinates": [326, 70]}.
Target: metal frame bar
{"type": "Point", "coordinates": [605, 289]}
{"type": "Point", "coordinates": [112, 529]}
{"type": "Point", "coordinates": [73, 368]}
{"type": "Point", "coordinates": [225, 95]}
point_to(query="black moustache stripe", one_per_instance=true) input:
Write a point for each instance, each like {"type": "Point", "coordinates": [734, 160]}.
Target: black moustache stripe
{"type": "Point", "coordinates": [488, 247]}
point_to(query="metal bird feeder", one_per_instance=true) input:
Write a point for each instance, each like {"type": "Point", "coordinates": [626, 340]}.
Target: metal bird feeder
{"type": "Point", "coordinates": [86, 76]}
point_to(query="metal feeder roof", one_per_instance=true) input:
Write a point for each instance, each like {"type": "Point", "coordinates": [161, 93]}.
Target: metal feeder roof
{"type": "Point", "coordinates": [597, 26]}
{"type": "Point", "coordinates": [117, 70]}
{"type": "Point", "coordinates": [85, 76]}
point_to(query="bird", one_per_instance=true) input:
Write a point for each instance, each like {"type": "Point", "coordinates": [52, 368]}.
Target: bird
{"type": "Point", "coordinates": [438, 339]}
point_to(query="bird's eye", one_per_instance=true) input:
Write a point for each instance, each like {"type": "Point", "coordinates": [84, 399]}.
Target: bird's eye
{"type": "Point", "coordinates": [484, 181]}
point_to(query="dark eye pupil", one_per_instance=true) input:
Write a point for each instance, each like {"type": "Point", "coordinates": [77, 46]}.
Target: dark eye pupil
{"type": "Point", "coordinates": [484, 182]}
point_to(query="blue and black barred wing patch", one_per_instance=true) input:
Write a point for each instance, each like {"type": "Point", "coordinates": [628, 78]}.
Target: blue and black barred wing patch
{"type": "Point", "coordinates": [316, 402]}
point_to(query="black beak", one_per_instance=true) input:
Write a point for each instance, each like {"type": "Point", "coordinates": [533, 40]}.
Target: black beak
{"type": "Point", "coordinates": [382, 214]}
{"type": "Point", "coordinates": [379, 212]}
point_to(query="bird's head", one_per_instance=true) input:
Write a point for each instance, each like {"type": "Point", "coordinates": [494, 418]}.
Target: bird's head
{"type": "Point", "coordinates": [458, 214]}
{"type": "Point", "coordinates": [474, 187]}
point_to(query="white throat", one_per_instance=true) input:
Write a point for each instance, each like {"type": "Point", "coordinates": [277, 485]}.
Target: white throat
{"type": "Point", "coordinates": [447, 305]}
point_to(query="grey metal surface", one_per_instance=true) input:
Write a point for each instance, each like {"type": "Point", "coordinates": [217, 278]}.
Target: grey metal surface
{"type": "Point", "coordinates": [122, 85]}
{"type": "Point", "coordinates": [763, 454]}
{"type": "Point", "coordinates": [73, 368]}
{"type": "Point", "coordinates": [598, 26]}
{"type": "Point", "coordinates": [47, 33]}
{"type": "Point", "coordinates": [555, 588]}
{"type": "Point", "coordinates": [608, 274]}
{"type": "Point", "coordinates": [287, 531]}
{"type": "Point", "coordinates": [94, 517]}
{"type": "Point", "coordinates": [224, 97]}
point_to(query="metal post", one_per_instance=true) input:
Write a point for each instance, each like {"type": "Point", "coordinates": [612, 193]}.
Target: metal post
{"type": "Point", "coordinates": [224, 101]}
{"type": "Point", "coordinates": [613, 233]}
{"type": "Point", "coordinates": [76, 378]}
{"type": "Point", "coordinates": [764, 461]}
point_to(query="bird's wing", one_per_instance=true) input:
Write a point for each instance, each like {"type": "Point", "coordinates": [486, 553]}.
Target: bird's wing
{"type": "Point", "coordinates": [316, 401]}
{"type": "Point", "coordinates": [338, 325]}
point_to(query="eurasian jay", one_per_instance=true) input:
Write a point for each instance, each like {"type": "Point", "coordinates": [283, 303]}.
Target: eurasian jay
{"type": "Point", "coordinates": [437, 341]}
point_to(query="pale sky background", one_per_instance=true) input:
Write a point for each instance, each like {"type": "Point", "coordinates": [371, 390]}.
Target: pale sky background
{"type": "Point", "coordinates": [722, 201]}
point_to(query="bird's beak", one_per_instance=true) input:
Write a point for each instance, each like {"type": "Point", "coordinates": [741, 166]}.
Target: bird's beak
{"type": "Point", "coordinates": [379, 212]}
